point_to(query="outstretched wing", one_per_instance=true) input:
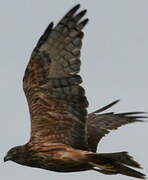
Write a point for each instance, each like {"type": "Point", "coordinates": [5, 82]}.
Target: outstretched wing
{"type": "Point", "coordinates": [98, 125]}
{"type": "Point", "coordinates": [57, 102]}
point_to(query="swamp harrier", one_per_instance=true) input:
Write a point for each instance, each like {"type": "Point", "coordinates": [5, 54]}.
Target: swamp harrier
{"type": "Point", "coordinates": [64, 136]}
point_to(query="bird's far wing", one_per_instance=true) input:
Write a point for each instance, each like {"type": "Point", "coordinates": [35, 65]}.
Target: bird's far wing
{"type": "Point", "coordinates": [98, 125]}
{"type": "Point", "coordinates": [57, 102]}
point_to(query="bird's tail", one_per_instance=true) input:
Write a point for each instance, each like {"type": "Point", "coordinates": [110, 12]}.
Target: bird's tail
{"type": "Point", "coordinates": [115, 163]}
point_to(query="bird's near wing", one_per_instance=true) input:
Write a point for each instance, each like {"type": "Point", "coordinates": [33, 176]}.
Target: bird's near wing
{"type": "Point", "coordinates": [98, 125]}
{"type": "Point", "coordinates": [57, 102]}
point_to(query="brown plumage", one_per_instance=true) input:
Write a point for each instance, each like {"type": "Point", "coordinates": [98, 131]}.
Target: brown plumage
{"type": "Point", "coordinates": [64, 136]}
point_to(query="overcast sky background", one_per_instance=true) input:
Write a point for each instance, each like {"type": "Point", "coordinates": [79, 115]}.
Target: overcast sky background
{"type": "Point", "coordinates": [114, 66]}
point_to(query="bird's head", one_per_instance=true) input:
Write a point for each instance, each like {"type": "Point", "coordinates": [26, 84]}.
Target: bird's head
{"type": "Point", "coordinates": [15, 154]}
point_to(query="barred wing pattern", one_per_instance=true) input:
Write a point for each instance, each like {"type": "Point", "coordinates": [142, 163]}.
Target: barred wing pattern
{"type": "Point", "coordinates": [57, 102]}
{"type": "Point", "coordinates": [98, 125]}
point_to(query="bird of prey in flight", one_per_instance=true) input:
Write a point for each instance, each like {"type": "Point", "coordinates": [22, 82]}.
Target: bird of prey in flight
{"type": "Point", "coordinates": [64, 137]}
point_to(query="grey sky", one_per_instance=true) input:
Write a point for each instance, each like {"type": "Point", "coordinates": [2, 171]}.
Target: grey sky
{"type": "Point", "coordinates": [114, 66]}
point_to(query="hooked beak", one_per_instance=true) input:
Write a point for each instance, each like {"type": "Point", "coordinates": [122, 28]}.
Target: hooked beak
{"type": "Point", "coordinates": [7, 158]}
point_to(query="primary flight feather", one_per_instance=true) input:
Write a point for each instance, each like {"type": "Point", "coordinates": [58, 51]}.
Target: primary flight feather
{"type": "Point", "coordinates": [64, 136]}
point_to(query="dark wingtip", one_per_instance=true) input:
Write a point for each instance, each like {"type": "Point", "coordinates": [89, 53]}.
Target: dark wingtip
{"type": "Point", "coordinates": [73, 10]}
{"type": "Point", "coordinates": [49, 27]}
{"type": "Point", "coordinates": [44, 36]}
{"type": "Point", "coordinates": [83, 23]}
{"type": "Point", "coordinates": [134, 115]}
{"type": "Point", "coordinates": [141, 176]}
{"type": "Point", "coordinates": [77, 6]}
{"type": "Point", "coordinates": [117, 101]}
{"type": "Point", "coordinates": [114, 102]}
{"type": "Point", "coordinates": [82, 13]}
{"type": "Point", "coordinates": [107, 106]}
